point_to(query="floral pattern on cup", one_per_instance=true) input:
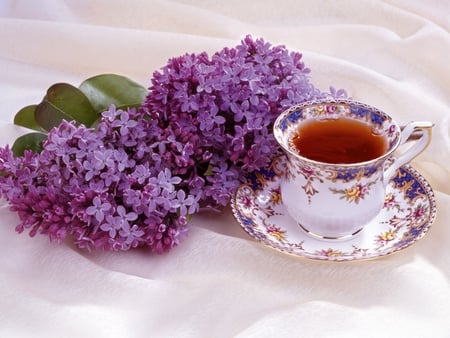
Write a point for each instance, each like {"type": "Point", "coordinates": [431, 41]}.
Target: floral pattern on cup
{"type": "Point", "coordinates": [352, 192]}
{"type": "Point", "coordinates": [320, 173]}
{"type": "Point", "coordinates": [355, 193]}
{"type": "Point", "coordinates": [310, 175]}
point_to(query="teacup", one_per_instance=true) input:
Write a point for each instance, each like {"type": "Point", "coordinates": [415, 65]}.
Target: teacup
{"type": "Point", "coordinates": [330, 199]}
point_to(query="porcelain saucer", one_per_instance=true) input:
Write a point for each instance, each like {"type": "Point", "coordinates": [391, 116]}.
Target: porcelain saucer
{"type": "Point", "coordinates": [408, 212]}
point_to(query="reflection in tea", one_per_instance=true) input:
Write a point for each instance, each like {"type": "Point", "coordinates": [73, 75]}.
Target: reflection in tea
{"type": "Point", "coordinates": [339, 141]}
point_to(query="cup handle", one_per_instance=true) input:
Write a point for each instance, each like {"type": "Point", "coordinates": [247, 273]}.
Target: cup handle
{"type": "Point", "coordinates": [419, 132]}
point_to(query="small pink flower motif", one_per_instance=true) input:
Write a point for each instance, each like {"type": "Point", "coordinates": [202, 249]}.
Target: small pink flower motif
{"type": "Point", "coordinates": [389, 201]}
{"type": "Point", "coordinates": [330, 109]}
{"type": "Point", "coordinates": [391, 130]}
{"type": "Point", "coordinates": [307, 171]}
{"type": "Point", "coordinates": [331, 253]}
{"type": "Point", "coordinates": [363, 190]}
{"type": "Point", "coordinates": [246, 201]}
{"type": "Point", "coordinates": [419, 211]}
{"type": "Point", "coordinates": [276, 232]}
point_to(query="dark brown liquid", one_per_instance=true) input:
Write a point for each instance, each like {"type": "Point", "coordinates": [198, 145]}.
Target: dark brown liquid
{"type": "Point", "coordinates": [338, 141]}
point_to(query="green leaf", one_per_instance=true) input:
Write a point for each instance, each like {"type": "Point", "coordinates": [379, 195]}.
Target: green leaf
{"type": "Point", "coordinates": [31, 141]}
{"type": "Point", "coordinates": [25, 118]}
{"type": "Point", "coordinates": [106, 89]}
{"type": "Point", "coordinates": [64, 101]}
{"type": "Point", "coordinates": [209, 171]}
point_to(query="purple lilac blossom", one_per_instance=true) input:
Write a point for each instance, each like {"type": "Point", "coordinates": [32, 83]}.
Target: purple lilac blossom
{"type": "Point", "coordinates": [137, 178]}
{"type": "Point", "coordinates": [101, 186]}
{"type": "Point", "coordinates": [221, 110]}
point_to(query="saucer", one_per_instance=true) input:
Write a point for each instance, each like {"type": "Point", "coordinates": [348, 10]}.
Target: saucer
{"type": "Point", "coordinates": [408, 212]}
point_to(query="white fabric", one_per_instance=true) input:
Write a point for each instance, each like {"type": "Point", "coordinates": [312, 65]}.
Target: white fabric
{"type": "Point", "coordinates": [219, 283]}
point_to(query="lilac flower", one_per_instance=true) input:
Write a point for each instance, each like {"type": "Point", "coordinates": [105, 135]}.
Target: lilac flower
{"type": "Point", "coordinates": [111, 226]}
{"type": "Point", "coordinates": [123, 216]}
{"type": "Point", "coordinates": [186, 204]}
{"type": "Point", "coordinates": [102, 194]}
{"type": "Point", "coordinates": [136, 178]}
{"type": "Point", "coordinates": [122, 160]}
{"type": "Point", "coordinates": [98, 209]}
{"type": "Point", "coordinates": [131, 235]}
{"type": "Point", "coordinates": [165, 180]}
{"type": "Point", "coordinates": [102, 159]}
{"type": "Point", "coordinates": [124, 123]}
{"type": "Point", "coordinates": [141, 173]}
{"type": "Point", "coordinates": [224, 105]}
{"type": "Point", "coordinates": [90, 168]}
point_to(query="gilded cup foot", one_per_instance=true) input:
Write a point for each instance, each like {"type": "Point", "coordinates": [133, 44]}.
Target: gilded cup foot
{"type": "Point", "coordinates": [333, 238]}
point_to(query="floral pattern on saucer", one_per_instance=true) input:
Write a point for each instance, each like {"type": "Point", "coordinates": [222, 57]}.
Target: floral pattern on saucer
{"type": "Point", "coordinates": [408, 212]}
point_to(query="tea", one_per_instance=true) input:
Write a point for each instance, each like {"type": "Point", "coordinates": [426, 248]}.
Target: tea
{"type": "Point", "coordinates": [338, 141]}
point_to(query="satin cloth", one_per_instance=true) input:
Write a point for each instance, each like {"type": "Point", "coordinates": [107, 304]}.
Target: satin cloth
{"type": "Point", "coordinates": [219, 282]}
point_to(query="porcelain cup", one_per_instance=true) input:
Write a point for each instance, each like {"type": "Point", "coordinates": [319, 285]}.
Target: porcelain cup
{"type": "Point", "coordinates": [335, 201]}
